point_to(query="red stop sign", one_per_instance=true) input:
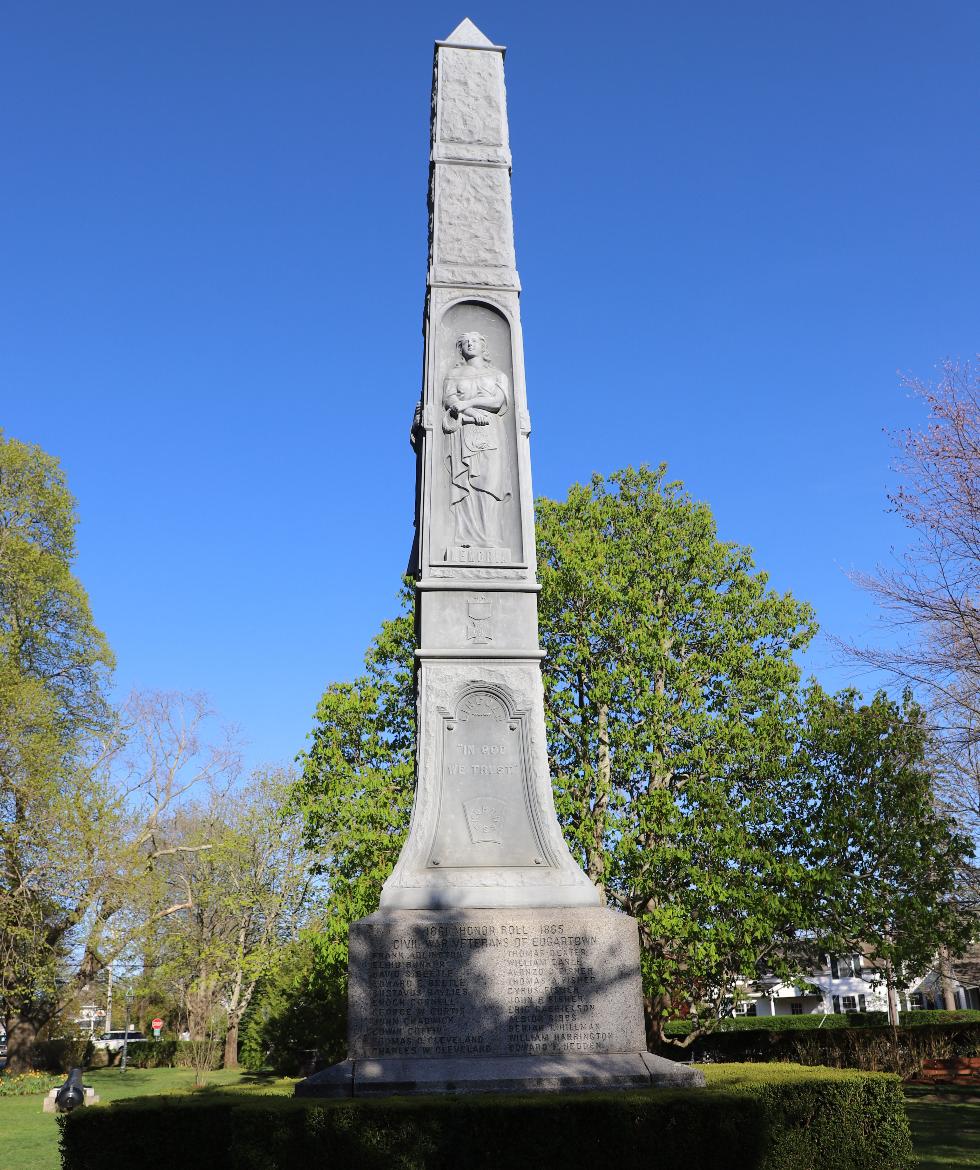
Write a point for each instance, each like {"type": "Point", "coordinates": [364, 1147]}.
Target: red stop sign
{"type": "Point", "coordinates": [157, 1023]}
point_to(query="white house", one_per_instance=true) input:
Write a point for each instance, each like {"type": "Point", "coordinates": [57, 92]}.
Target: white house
{"type": "Point", "coordinates": [849, 983]}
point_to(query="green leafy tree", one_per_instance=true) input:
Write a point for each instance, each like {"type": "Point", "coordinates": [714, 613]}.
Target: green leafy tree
{"type": "Point", "coordinates": [241, 878]}
{"type": "Point", "coordinates": [300, 1009]}
{"type": "Point", "coordinates": [55, 667]}
{"type": "Point", "coordinates": [671, 695]}
{"type": "Point", "coordinates": [357, 784]}
{"type": "Point", "coordinates": [84, 788]}
{"type": "Point", "coordinates": [881, 855]}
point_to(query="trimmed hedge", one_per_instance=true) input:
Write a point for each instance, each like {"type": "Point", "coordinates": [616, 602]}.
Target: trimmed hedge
{"type": "Point", "coordinates": [920, 1019]}
{"type": "Point", "coordinates": [160, 1054]}
{"type": "Point", "coordinates": [61, 1055]}
{"type": "Point", "coordinates": [761, 1023]}
{"type": "Point", "coordinates": [816, 1020]}
{"type": "Point", "coordinates": [873, 1049]}
{"type": "Point", "coordinates": [747, 1119]}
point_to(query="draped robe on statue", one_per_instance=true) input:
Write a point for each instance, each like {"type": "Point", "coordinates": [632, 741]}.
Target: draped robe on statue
{"type": "Point", "coordinates": [477, 456]}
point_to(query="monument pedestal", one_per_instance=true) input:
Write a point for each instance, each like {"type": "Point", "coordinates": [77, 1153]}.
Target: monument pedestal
{"type": "Point", "coordinates": [495, 1000]}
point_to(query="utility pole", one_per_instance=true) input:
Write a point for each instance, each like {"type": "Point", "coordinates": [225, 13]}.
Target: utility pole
{"type": "Point", "coordinates": [129, 1000]}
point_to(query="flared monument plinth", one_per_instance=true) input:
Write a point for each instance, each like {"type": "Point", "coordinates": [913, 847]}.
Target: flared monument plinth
{"type": "Point", "coordinates": [492, 964]}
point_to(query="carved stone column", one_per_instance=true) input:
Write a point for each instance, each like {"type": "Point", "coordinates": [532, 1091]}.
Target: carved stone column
{"type": "Point", "coordinates": [484, 831]}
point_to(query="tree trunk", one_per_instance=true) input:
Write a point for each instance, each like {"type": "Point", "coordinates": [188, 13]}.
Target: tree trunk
{"type": "Point", "coordinates": [946, 979]}
{"type": "Point", "coordinates": [892, 1007]}
{"type": "Point", "coordinates": [231, 1045]}
{"type": "Point", "coordinates": [21, 1034]}
{"type": "Point", "coordinates": [595, 859]}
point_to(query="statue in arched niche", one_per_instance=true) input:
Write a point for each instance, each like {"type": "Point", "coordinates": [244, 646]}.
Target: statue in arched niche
{"type": "Point", "coordinates": [475, 400]}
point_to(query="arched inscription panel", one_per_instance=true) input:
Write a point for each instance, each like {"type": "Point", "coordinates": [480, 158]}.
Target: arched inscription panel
{"type": "Point", "coordinates": [486, 816]}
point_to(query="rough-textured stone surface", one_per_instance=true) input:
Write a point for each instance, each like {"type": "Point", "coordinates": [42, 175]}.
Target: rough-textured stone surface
{"type": "Point", "coordinates": [471, 100]}
{"type": "Point", "coordinates": [494, 983]}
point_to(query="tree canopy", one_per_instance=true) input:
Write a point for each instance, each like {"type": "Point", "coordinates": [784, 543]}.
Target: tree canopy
{"type": "Point", "coordinates": [694, 777]}
{"type": "Point", "coordinates": [55, 667]}
{"type": "Point", "coordinates": [86, 789]}
{"type": "Point", "coordinates": [930, 594]}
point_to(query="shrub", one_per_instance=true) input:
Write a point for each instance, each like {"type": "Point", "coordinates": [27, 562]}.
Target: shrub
{"type": "Point", "coordinates": [298, 1013]}
{"type": "Point", "coordinates": [871, 1049]}
{"type": "Point", "coordinates": [61, 1055]}
{"type": "Point", "coordinates": [160, 1054]}
{"type": "Point", "coordinates": [762, 1023]}
{"type": "Point", "coordinates": [920, 1019]}
{"type": "Point", "coordinates": [817, 1020]}
{"type": "Point", "coordinates": [760, 1118]}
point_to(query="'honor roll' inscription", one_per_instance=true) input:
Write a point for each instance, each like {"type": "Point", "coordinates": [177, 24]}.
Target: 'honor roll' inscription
{"type": "Point", "coordinates": [510, 988]}
{"type": "Point", "coordinates": [485, 815]}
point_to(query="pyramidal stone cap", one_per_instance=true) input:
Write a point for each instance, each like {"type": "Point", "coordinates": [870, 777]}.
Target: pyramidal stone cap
{"type": "Point", "coordinates": [467, 36]}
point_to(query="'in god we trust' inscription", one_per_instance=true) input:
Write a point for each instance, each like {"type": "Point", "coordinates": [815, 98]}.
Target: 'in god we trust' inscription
{"type": "Point", "coordinates": [485, 816]}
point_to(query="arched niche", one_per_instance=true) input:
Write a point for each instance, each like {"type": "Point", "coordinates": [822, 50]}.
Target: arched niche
{"type": "Point", "coordinates": [447, 545]}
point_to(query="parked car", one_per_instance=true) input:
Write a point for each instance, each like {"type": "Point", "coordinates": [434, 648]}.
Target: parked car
{"type": "Point", "coordinates": [113, 1041]}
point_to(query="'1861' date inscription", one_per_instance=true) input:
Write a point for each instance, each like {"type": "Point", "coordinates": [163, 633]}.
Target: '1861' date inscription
{"type": "Point", "coordinates": [505, 988]}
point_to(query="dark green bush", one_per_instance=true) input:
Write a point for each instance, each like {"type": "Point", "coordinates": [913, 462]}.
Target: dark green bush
{"type": "Point", "coordinates": [298, 1012]}
{"type": "Point", "coordinates": [61, 1055]}
{"type": "Point", "coordinates": [159, 1054]}
{"type": "Point", "coordinates": [748, 1119]}
{"type": "Point", "coordinates": [762, 1023]}
{"type": "Point", "coordinates": [871, 1049]}
{"type": "Point", "coordinates": [816, 1020]}
{"type": "Point", "coordinates": [921, 1019]}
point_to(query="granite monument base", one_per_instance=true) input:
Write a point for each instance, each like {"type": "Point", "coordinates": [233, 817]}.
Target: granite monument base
{"type": "Point", "coordinates": [408, 1076]}
{"type": "Point", "coordinates": [495, 1000]}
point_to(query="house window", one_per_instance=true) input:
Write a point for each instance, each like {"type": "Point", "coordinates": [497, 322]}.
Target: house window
{"type": "Point", "coordinates": [845, 966]}
{"type": "Point", "coordinates": [862, 1002]}
{"type": "Point", "coordinates": [917, 1001]}
{"type": "Point", "coordinates": [835, 999]}
{"type": "Point", "coordinates": [796, 1009]}
{"type": "Point", "coordinates": [848, 1003]}
{"type": "Point", "coordinates": [750, 1010]}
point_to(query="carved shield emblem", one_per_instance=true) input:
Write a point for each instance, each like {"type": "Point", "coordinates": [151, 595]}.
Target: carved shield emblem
{"type": "Point", "coordinates": [485, 819]}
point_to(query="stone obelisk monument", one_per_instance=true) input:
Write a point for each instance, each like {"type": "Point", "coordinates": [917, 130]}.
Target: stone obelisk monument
{"type": "Point", "coordinates": [492, 963]}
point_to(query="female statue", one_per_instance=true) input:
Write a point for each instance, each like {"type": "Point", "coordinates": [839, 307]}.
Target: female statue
{"type": "Point", "coordinates": [475, 402]}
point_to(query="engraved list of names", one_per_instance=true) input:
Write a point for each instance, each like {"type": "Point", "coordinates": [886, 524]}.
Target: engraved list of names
{"type": "Point", "coordinates": [488, 983]}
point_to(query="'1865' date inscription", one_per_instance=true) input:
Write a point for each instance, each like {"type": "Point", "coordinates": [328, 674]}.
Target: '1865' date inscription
{"type": "Point", "coordinates": [514, 988]}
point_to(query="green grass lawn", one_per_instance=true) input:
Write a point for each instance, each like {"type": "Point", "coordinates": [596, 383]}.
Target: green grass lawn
{"type": "Point", "coordinates": [945, 1127]}
{"type": "Point", "coordinates": [29, 1138]}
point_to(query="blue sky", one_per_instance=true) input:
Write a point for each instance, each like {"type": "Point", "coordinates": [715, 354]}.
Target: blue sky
{"type": "Point", "coordinates": [734, 223]}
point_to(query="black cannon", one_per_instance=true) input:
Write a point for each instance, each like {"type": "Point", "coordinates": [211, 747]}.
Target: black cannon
{"type": "Point", "coordinates": [71, 1094]}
